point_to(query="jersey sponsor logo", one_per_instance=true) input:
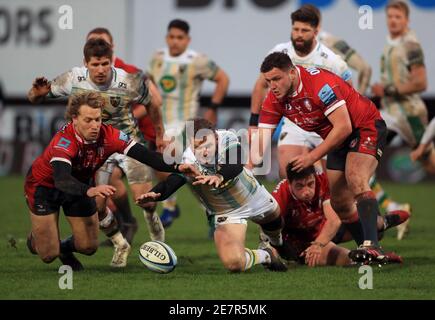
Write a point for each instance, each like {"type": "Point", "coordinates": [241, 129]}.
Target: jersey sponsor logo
{"type": "Point", "coordinates": [168, 83]}
{"type": "Point", "coordinates": [347, 75]}
{"type": "Point", "coordinates": [308, 105]}
{"type": "Point", "coordinates": [115, 101]}
{"type": "Point", "coordinates": [327, 95]}
{"type": "Point", "coordinates": [63, 143]}
{"type": "Point", "coordinates": [122, 85]}
{"type": "Point", "coordinates": [221, 219]}
{"type": "Point", "coordinates": [123, 136]}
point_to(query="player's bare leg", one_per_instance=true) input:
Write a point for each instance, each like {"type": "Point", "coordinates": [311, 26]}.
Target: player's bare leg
{"type": "Point", "coordinates": [152, 219]}
{"type": "Point", "coordinates": [44, 238]}
{"type": "Point", "coordinates": [128, 225]}
{"type": "Point", "coordinates": [85, 233]}
{"type": "Point", "coordinates": [359, 168]}
{"type": "Point", "coordinates": [343, 203]}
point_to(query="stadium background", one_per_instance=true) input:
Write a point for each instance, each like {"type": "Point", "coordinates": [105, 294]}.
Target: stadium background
{"type": "Point", "coordinates": [237, 34]}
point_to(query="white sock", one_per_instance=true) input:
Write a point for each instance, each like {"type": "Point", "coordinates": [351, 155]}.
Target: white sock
{"type": "Point", "coordinates": [118, 240]}
{"type": "Point", "coordinates": [108, 219]}
{"type": "Point", "coordinates": [254, 257]}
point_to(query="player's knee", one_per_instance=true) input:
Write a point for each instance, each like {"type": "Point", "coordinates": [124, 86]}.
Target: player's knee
{"type": "Point", "coordinates": [273, 225]}
{"type": "Point", "coordinates": [357, 183]}
{"type": "Point", "coordinates": [49, 256]}
{"type": "Point", "coordinates": [87, 248]}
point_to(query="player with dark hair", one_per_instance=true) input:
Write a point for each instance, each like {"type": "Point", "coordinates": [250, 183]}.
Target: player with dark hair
{"type": "Point", "coordinates": [353, 133]}
{"type": "Point", "coordinates": [231, 196]}
{"type": "Point", "coordinates": [63, 176]}
{"type": "Point", "coordinates": [120, 90]}
{"type": "Point", "coordinates": [179, 73]}
{"type": "Point", "coordinates": [115, 168]}
{"type": "Point", "coordinates": [312, 229]}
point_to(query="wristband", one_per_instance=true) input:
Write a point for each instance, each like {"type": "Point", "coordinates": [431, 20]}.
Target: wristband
{"type": "Point", "coordinates": [253, 120]}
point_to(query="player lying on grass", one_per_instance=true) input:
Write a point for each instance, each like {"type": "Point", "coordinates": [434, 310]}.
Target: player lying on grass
{"type": "Point", "coordinates": [312, 229]}
{"type": "Point", "coordinates": [230, 194]}
{"type": "Point", "coordinates": [63, 176]}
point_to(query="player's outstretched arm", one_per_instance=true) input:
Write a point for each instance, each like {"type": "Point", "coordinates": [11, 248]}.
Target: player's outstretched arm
{"type": "Point", "coordinates": [162, 190]}
{"type": "Point", "coordinates": [156, 161]}
{"type": "Point", "coordinates": [257, 97]}
{"type": "Point", "coordinates": [40, 88]}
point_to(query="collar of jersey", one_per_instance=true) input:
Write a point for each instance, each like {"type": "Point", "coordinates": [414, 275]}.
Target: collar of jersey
{"type": "Point", "coordinates": [105, 87]}
{"type": "Point", "coordinates": [182, 58]}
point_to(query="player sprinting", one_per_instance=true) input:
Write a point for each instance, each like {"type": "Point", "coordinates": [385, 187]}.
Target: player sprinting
{"type": "Point", "coordinates": [179, 73]}
{"type": "Point", "coordinates": [311, 228]}
{"type": "Point", "coordinates": [353, 133]}
{"type": "Point", "coordinates": [231, 195]}
{"type": "Point", "coordinates": [120, 90]}
{"type": "Point", "coordinates": [425, 144]}
{"type": "Point", "coordinates": [118, 165]}
{"type": "Point", "coordinates": [63, 176]}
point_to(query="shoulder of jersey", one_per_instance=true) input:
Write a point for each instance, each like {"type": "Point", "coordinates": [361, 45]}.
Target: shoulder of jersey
{"type": "Point", "coordinates": [284, 47]}
{"type": "Point", "coordinates": [328, 54]}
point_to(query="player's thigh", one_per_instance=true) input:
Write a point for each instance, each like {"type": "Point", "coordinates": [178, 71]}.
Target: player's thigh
{"type": "Point", "coordinates": [85, 232]}
{"type": "Point", "coordinates": [139, 188]}
{"type": "Point", "coordinates": [359, 168]}
{"type": "Point", "coordinates": [136, 172]}
{"type": "Point", "coordinates": [81, 213]}
{"type": "Point", "coordinates": [45, 232]}
{"type": "Point", "coordinates": [333, 255]}
{"type": "Point", "coordinates": [230, 242]}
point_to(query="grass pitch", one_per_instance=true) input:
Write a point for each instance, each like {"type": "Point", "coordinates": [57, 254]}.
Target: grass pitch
{"type": "Point", "coordinates": [199, 274]}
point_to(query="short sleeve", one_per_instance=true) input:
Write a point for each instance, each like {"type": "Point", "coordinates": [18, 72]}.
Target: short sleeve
{"type": "Point", "coordinates": [414, 54]}
{"type": "Point", "coordinates": [144, 94]}
{"type": "Point", "coordinates": [206, 68]}
{"type": "Point", "coordinates": [61, 86]}
{"type": "Point", "coordinates": [63, 149]}
{"type": "Point", "coordinates": [270, 114]}
{"type": "Point", "coordinates": [120, 141]}
{"type": "Point", "coordinates": [330, 94]}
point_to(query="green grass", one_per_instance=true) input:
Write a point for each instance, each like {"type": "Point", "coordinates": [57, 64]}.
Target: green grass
{"type": "Point", "coordinates": [199, 274]}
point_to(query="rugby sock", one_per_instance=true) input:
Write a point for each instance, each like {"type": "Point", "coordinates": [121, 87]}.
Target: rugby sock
{"type": "Point", "coordinates": [382, 197]}
{"type": "Point", "coordinates": [354, 226]}
{"type": "Point", "coordinates": [109, 226]}
{"type": "Point", "coordinates": [154, 225]}
{"type": "Point", "coordinates": [368, 211]}
{"type": "Point", "coordinates": [254, 257]}
{"type": "Point", "coordinates": [67, 245]}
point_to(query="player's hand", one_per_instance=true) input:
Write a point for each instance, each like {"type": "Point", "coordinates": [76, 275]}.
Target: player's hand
{"type": "Point", "coordinates": [312, 255]}
{"type": "Point", "coordinates": [302, 161]}
{"type": "Point", "coordinates": [41, 86]}
{"type": "Point", "coordinates": [102, 191]}
{"type": "Point", "coordinates": [417, 153]}
{"type": "Point", "coordinates": [378, 90]}
{"type": "Point", "coordinates": [189, 170]}
{"type": "Point", "coordinates": [161, 144]}
{"type": "Point", "coordinates": [147, 197]}
{"type": "Point", "coordinates": [215, 180]}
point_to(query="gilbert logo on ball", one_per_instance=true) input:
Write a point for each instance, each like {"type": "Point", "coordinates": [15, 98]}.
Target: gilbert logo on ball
{"type": "Point", "coordinates": [157, 256]}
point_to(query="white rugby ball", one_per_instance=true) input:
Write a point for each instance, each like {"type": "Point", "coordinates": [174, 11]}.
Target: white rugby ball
{"type": "Point", "coordinates": [157, 256]}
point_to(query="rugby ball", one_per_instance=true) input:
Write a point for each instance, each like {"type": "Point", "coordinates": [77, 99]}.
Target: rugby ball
{"type": "Point", "coordinates": [157, 256]}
